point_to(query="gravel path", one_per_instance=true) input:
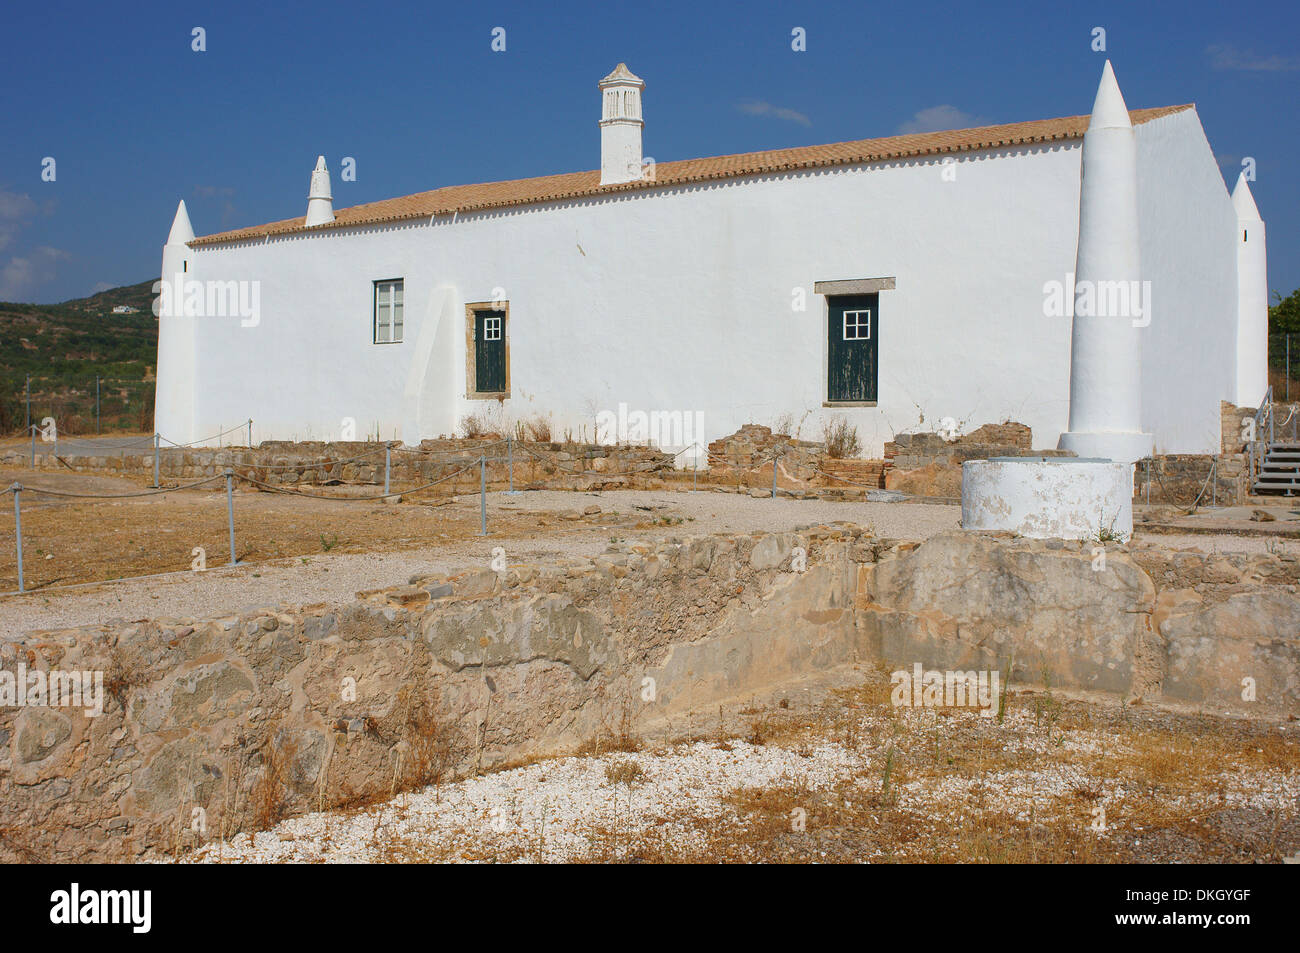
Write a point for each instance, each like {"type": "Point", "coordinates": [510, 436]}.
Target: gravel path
{"type": "Point", "coordinates": [335, 578]}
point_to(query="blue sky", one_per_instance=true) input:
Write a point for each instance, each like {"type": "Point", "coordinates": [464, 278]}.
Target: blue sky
{"type": "Point", "coordinates": [135, 119]}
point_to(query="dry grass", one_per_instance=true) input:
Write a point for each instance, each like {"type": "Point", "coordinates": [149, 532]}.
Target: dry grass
{"type": "Point", "coordinates": [951, 787]}
{"type": "Point", "coordinates": [841, 439]}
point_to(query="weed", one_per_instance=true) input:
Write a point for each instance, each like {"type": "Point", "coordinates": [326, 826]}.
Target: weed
{"type": "Point", "coordinates": [841, 439]}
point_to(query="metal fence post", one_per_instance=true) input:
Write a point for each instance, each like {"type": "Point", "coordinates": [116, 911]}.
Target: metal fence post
{"type": "Point", "coordinates": [482, 495]}
{"type": "Point", "coordinates": [155, 460]}
{"type": "Point", "coordinates": [388, 465]}
{"type": "Point", "coordinates": [33, 430]}
{"type": "Point", "coordinates": [18, 531]}
{"type": "Point", "coordinates": [250, 433]}
{"type": "Point", "coordinates": [230, 512]}
{"type": "Point", "coordinates": [97, 428]}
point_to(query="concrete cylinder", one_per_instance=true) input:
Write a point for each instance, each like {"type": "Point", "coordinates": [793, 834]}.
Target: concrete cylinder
{"type": "Point", "coordinates": [1048, 497]}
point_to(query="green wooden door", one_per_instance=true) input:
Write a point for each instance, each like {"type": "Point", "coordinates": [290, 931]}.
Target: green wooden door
{"type": "Point", "coordinates": [489, 351]}
{"type": "Point", "coordinates": [852, 338]}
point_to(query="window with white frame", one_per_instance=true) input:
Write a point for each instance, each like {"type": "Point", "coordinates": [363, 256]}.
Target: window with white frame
{"type": "Point", "coordinates": [388, 311]}
{"type": "Point", "coordinates": [857, 325]}
{"type": "Point", "coordinates": [492, 328]}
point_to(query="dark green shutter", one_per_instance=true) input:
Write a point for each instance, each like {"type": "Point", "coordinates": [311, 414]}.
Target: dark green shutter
{"type": "Point", "coordinates": [851, 367]}
{"type": "Point", "coordinates": [489, 355]}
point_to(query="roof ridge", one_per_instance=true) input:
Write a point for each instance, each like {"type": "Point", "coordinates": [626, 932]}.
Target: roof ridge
{"type": "Point", "coordinates": [449, 199]}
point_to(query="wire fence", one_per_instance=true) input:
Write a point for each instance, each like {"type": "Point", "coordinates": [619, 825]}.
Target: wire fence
{"type": "Point", "coordinates": [82, 406]}
{"type": "Point", "coordinates": [1284, 366]}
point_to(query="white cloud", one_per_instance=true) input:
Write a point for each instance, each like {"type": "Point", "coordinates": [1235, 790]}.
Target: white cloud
{"type": "Point", "coordinates": [1223, 56]}
{"type": "Point", "coordinates": [758, 108]}
{"type": "Point", "coordinates": [16, 210]}
{"type": "Point", "coordinates": [937, 119]}
{"type": "Point", "coordinates": [24, 273]}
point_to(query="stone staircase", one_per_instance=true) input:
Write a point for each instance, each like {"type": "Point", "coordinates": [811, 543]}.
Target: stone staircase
{"type": "Point", "coordinates": [1280, 471]}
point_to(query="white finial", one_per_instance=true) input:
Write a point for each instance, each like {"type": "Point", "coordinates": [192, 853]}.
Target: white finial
{"type": "Point", "coordinates": [1106, 337]}
{"type": "Point", "coordinates": [1252, 297]}
{"type": "Point", "coordinates": [182, 231]}
{"type": "Point", "coordinates": [1108, 109]}
{"type": "Point", "coordinates": [1244, 202]}
{"type": "Point", "coordinates": [320, 203]}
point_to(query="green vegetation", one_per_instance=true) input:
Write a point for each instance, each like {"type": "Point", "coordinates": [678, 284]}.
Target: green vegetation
{"type": "Point", "coordinates": [1284, 316]}
{"type": "Point", "coordinates": [64, 347]}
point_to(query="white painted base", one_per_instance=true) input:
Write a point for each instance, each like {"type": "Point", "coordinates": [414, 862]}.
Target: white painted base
{"type": "Point", "coordinates": [1045, 499]}
{"type": "Point", "coordinates": [1120, 446]}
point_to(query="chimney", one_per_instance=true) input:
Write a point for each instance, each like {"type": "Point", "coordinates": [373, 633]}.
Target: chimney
{"type": "Point", "coordinates": [620, 126]}
{"type": "Point", "coordinates": [320, 204]}
{"type": "Point", "coordinates": [1252, 298]}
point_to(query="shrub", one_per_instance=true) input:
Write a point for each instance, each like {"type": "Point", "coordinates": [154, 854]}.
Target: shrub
{"type": "Point", "coordinates": [538, 428]}
{"type": "Point", "coordinates": [841, 439]}
{"type": "Point", "coordinates": [473, 426]}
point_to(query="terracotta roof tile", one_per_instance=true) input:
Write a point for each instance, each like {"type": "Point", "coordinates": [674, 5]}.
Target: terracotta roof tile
{"type": "Point", "coordinates": [548, 188]}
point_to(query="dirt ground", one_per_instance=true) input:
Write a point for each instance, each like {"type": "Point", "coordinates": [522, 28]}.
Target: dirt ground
{"type": "Point", "coordinates": [87, 561]}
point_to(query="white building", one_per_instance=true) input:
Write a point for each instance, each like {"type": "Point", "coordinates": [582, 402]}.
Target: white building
{"type": "Point", "coordinates": [892, 281]}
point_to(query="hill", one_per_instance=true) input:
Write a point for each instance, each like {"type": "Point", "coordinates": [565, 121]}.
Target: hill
{"type": "Point", "coordinates": [64, 347]}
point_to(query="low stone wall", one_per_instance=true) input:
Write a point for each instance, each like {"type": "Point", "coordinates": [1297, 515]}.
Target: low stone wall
{"type": "Point", "coordinates": [927, 464]}
{"type": "Point", "coordinates": [1180, 479]}
{"type": "Point", "coordinates": [287, 463]}
{"type": "Point", "coordinates": [213, 726]}
{"type": "Point", "coordinates": [752, 447]}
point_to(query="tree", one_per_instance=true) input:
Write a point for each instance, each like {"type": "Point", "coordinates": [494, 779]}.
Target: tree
{"type": "Point", "coordinates": [1284, 316]}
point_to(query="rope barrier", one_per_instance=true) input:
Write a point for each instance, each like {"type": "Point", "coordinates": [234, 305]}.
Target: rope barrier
{"type": "Point", "coordinates": [354, 499]}
{"type": "Point", "coordinates": [1214, 469]}
{"type": "Point", "coordinates": [205, 441]}
{"type": "Point", "coordinates": [113, 496]}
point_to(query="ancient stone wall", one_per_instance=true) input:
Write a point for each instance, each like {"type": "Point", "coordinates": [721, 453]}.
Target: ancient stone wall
{"type": "Point", "coordinates": [213, 726]}
{"type": "Point", "coordinates": [285, 462]}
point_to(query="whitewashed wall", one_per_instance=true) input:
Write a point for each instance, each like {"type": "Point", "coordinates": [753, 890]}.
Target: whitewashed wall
{"type": "Point", "coordinates": [1188, 235]}
{"type": "Point", "coordinates": [681, 299]}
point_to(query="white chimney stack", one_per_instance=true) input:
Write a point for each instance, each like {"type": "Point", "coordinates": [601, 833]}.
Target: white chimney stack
{"type": "Point", "coordinates": [1105, 346]}
{"type": "Point", "coordinates": [1252, 298]}
{"type": "Point", "coordinates": [320, 204]}
{"type": "Point", "coordinates": [620, 126]}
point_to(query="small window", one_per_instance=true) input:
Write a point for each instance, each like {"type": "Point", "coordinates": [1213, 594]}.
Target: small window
{"type": "Point", "coordinates": [492, 328]}
{"type": "Point", "coordinates": [388, 311]}
{"type": "Point", "coordinates": [857, 325]}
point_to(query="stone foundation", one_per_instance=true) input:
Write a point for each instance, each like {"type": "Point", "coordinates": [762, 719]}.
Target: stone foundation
{"type": "Point", "coordinates": [240, 720]}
